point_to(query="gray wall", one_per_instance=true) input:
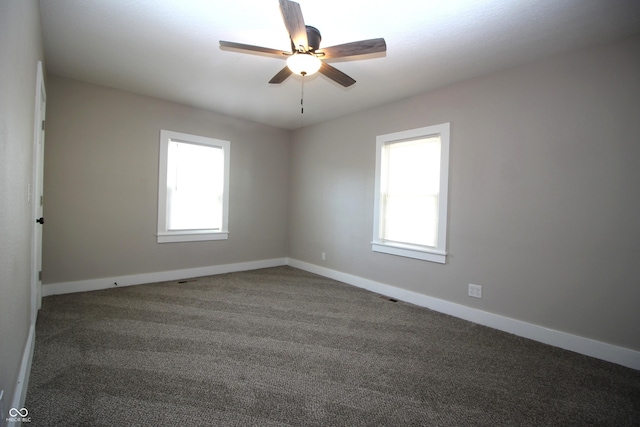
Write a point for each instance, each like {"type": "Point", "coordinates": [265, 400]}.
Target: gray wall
{"type": "Point", "coordinates": [544, 198]}
{"type": "Point", "coordinates": [20, 50]}
{"type": "Point", "coordinates": [101, 185]}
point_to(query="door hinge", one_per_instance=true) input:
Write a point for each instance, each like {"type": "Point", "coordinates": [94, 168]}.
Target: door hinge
{"type": "Point", "coordinates": [41, 200]}
{"type": "Point", "coordinates": [40, 276]}
{"type": "Point", "coordinates": [43, 122]}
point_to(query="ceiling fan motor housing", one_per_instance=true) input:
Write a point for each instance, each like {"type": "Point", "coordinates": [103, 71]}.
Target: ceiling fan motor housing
{"type": "Point", "coordinates": [313, 39]}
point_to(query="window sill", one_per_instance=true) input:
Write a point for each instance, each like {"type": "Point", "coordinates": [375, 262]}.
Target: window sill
{"type": "Point", "coordinates": [416, 252]}
{"type": "Point", "coordinates": [192, 236]}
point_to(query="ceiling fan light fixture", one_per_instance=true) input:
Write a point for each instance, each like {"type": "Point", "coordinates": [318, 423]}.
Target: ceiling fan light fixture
{"type": "Point", "coordinates": [303, 64]}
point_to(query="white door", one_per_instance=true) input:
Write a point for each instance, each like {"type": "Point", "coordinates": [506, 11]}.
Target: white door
{"type": "Point", "coordinates": [37, 195]}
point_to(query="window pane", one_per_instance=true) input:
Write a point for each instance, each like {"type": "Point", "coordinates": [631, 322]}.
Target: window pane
{"type": "Point", "coordinates": [410, 191]}
{"type": "Point", "coordinates": [195, 182]}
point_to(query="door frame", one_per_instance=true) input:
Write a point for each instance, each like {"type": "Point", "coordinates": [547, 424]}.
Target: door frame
{"type": "Point", "coordinates": [36, 193]}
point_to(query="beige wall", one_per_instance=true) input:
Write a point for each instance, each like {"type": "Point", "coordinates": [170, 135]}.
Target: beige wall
{"type": "Point", "coordinates": [101, 185]}
{"type": "Point", "coordinates": [20, 50]}
{"type": "Point", "coordinates": [544, 199]}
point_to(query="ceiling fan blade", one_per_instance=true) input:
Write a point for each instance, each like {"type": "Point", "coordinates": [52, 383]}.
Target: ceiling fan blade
{"type": "Point", "coordinates": [293, 20]}
{"type": "Point", "coordinates": [362, 47]}
{"type": "Point", "coordinates": [336, 75]}
{"type": "Point", "coordinates": [281, 76]}
{"type": "Point", "coordinates": [251, 48]}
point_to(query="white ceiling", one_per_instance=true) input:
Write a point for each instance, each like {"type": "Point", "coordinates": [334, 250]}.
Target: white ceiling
{"type": "Point", "coordinates": [169, 48]}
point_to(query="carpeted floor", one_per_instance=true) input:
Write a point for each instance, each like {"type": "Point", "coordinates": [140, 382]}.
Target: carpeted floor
{"type": "Point", "coordinates": [281, 346]}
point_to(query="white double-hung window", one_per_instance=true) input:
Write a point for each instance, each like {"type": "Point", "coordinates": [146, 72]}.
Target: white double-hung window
{"type": "Point", "coordinates": [193, 191]}
{"type": "Point", "coordinates": [412, 170]}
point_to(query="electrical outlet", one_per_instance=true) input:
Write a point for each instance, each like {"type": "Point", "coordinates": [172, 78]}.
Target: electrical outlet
{"type": "Point", "coordinates": [324, 256]}
{"type": "Point", "coordinates": [475, 291]}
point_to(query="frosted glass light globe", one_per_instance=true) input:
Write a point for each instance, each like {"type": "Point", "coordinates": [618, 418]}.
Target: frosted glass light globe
{"type": "Point", "coordinates": [303, 64]}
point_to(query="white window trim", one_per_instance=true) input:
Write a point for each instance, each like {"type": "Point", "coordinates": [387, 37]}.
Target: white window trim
{"type": "Point", "coordinates": [168, 236]}
{"type": "Point", "coordinates": [426, 253]}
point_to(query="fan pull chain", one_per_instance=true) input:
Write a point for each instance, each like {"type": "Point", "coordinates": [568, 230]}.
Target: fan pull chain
{"type": "Point", "coordinates": [302, 94]}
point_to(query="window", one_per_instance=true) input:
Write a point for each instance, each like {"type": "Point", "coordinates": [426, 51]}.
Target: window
{"type": "Point", "coordinates": [412, 170]}
{"type": "Point", "coordinates": [193, 190]}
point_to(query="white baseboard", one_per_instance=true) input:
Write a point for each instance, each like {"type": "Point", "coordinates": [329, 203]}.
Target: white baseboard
{"type": "Point", "coordinates": [162, 276]}
{"type": "Point", "coordinates": [20, 391]}
{"type": "Point", "coordinates": [600, 350]}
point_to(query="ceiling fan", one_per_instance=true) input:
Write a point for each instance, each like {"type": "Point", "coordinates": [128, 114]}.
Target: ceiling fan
{"type": "Point", "coordinates": [306, 56]}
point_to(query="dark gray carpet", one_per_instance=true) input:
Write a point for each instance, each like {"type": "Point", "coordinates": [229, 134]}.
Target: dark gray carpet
{"type": "Point", "coordinates": [281, 346]}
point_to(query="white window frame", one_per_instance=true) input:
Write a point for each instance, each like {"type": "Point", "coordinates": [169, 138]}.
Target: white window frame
{"type": "Point", "coordinates": [164, 234]}
{"type": "Point", "coordinates": [437, 253]}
